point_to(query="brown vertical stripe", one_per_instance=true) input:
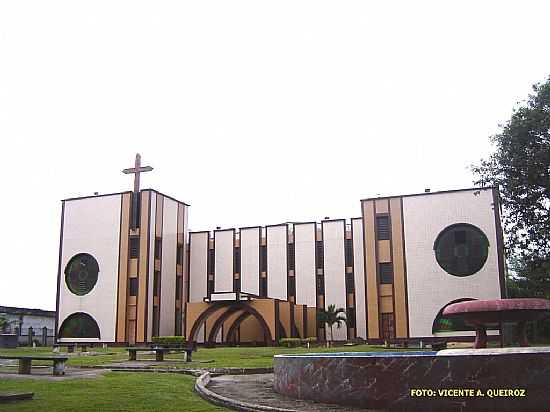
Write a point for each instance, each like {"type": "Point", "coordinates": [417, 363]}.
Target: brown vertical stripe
{"type": "Point", "coordinates": [399, 272]}
{"type": "Point", "coordinates": [143, 267]}
{"type": "Point", "coordinates": [123, 268]}
{"type": "Point", "coordinates": [369, 244]}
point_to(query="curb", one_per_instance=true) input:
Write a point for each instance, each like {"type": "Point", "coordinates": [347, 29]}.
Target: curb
{"type": "Point", "coordinates": [189, 371]}
{"type": "Point", "coordinates": [201, 388]}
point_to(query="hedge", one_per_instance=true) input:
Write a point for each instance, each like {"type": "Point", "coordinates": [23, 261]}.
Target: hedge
{"type": "Point", "coordinates": [168, 340]}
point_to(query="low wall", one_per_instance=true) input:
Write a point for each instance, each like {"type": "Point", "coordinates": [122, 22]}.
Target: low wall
{"type": "Point", "coordinates": [455, 379]}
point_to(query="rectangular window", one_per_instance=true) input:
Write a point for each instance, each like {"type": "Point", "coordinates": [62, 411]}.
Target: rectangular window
{"type": "Point", "coordinates": [263, 287]}
{"type": "Point", "coordinates": [383, 227]}
{"type": "Point", "coordinates": [179, 255]}
{"type": "Point", "coordinates": [290, 256]}
{"type": "Point", "coordinates": [237, 259]}
{"type": "Point", "coordinates": [385, 272]}
{"type": "Point", "coordinates": [350, 316]}
{"type": "Point", "coordinates": [179, 323]}
{"type": "Point", "coordinates": [292, 286]}
{"type": "Point", "coordinates": [156, 323]}
{"type": "Point", "coordinates": [134, 246]}
{"type": "Point", "coordinates": [350, 283]}
{"type": "Point", "coordinates": [158, 248]}
{"type": "Point", "coordinates": [319, 254]}
{"type": "Point", "coordinates": [179, 288]}
{"type": "Point", "coordinates": [320, 285]}
{"type": "Point", "coordinates": [348, 252]}
{"type": "Point", "coordinates": [156, 283]}
{"type": "Point", "coordinates": [211, 261]}
{"type": "Point", "coordinates": [263, 259]}
{"type": "Point", "coordinates": [388, 328]}
{"type": "Point", "coordinates": [133, 286]}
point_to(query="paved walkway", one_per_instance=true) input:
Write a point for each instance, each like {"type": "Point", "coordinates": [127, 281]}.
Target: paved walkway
{"type": "Point", "coordinates": [257, 389]}
{"type": "Point", "coordinates": [45, 373]}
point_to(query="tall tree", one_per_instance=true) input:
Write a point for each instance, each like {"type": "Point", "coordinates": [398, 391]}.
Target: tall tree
{"type": "Point", "coordinates": [520, 167]}
{"type": "Point", "coordinates": [332, 316]}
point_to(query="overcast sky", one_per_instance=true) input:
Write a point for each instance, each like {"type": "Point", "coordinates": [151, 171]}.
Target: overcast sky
{"type": "Point", "coordinates": [253, 112]}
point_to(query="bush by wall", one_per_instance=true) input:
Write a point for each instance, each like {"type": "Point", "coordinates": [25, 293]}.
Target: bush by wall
{"type": "Point", "coordinates": [168, 340]}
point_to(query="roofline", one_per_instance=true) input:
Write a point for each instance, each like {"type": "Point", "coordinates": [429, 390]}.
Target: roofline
{"type": "Point", "coordinates": [470, 189]}
{"type": "Point", "coordinates": [102, 195]}
{"type": "Point", "coordinates": [123, 193]}
{"type": "Point", "coordinates": [169, 197]}
{"type": "Point", "coordinates": [26, 311]}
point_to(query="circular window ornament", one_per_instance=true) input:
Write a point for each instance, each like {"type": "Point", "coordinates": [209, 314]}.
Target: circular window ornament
{"type": "Point", "coordinates": [461, 249]}
{"type": "Point", "coordinates": [81, 274]}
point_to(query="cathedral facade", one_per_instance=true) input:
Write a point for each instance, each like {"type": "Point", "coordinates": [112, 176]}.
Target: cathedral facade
{"type": "Point", "coordinates": [129, 270]}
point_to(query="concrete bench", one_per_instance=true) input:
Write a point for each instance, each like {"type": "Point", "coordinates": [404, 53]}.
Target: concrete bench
{"type": "Point", "coordinates": [160, 351]}
{"type": "Point", "coordinates": [26, 360]}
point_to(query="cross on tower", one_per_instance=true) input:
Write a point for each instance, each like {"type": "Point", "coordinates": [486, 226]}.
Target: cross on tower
{"type": "Point", "coordinates": [136, 170]}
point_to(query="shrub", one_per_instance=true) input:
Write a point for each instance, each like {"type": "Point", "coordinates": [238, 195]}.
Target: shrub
{"type": "Point", "coordinates": [311, 339]}
{"type": "Point", "coordinates": [290, 342]}
{"type": "Point", "coordinates": [168, 340]}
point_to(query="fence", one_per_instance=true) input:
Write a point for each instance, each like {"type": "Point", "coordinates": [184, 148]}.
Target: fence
{"type": "Point", "coordinates": [41, 337]}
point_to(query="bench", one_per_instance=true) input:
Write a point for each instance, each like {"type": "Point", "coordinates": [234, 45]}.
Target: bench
{"type": "Point", "coordinates": [26, 360]}
{"type": "Point", "coordinates": [160, 351]}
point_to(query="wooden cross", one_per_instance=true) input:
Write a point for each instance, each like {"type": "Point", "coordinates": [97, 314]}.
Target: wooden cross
{"type": "Point", "coordinates": [136, 170]}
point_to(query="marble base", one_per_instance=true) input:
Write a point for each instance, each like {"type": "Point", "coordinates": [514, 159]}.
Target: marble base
{"type": "Point", "coordinates": [493, 379]}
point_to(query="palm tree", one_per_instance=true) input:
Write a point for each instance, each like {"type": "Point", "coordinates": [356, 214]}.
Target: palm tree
{"type": "Point", "coordinates": [332, 316]}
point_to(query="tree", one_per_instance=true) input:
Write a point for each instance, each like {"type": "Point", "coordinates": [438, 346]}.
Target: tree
{"type": "Point", "coordinates": [4, 323]}
{"type": "Point", "coordinates": [332, 316]}
{"type": "Point", "coordinates": [520, 168]}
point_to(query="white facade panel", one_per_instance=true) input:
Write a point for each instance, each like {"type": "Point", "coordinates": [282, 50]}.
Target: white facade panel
{"type": "Point", "coordinates": [250, 260]}
{"type": "Point", "coordinates": [359, 279]}
{"type": "Point", "coordinates": [223, 258]}
{"type": "Point", "coordinates": [92, 225]}
{"type": "Point", "coordinates": [335, 270]}
{"type": "Point", "coordinates": [276, 262]}
{"type": "Point", "coordinates": [429, 287]}
{"type": "Point", "coordinates": [198, 256]}
{"type": "Point", "coordinates": [168, 268]}
{"type": "Point", "coordinates": [150, 290]}
{"type": "Point", "coordinates": [304, 264]}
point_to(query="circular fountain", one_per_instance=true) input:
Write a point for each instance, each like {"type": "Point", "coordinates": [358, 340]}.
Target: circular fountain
{"type": "Point", "coordinates": [452, 379]}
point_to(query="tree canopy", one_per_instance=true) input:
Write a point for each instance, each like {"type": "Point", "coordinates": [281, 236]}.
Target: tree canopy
{"type": "Point", "coordinates": [520, 167]}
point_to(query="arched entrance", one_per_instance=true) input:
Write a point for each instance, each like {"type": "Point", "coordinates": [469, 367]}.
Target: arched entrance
{"type": "Point", "coordinates": [220, 313]}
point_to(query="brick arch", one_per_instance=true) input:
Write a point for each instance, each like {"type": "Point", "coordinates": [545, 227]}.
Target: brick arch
{"type": "Point", "coordinates": [220, 321]}
{"type": "Point", "coordinates": [230, 310]}
{"type": "Point", "coordinates": [236, 324]}
{"type": "Point", "coordinates": [212, 309]}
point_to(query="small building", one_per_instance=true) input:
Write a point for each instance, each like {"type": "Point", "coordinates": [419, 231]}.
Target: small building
{"type": "Point", "coordinates": [31, 325]}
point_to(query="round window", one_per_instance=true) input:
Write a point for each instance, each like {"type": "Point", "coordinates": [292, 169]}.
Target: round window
{"type": "Point", "coordinates": [461, 249]}
{"type": "Point", "coordinates": [81, 274]}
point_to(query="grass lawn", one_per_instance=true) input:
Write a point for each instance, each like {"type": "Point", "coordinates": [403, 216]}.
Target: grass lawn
{"type": "Point", "coordinates": [235, 357]}
{"type": "Point", "coordinates": [115, 391]}
{"type": "Point", "coordinates": [122, 391]}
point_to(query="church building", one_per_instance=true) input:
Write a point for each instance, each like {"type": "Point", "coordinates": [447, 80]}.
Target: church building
{"type": "Point", "coordinates": [129, 270]}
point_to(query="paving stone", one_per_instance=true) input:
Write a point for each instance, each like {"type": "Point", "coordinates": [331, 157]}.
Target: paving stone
{"type": "Point", "coordinates": [258, 389]}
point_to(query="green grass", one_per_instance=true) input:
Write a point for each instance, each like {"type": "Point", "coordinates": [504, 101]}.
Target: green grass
{"type": "Point", "coordinates": [121, 391]}
{"type": "Point", "coordinates": [262, 357]}
{"type": "Point", "coordinates": [230, 357]}
{"type": "Point", "coordinates": [112, 392]}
